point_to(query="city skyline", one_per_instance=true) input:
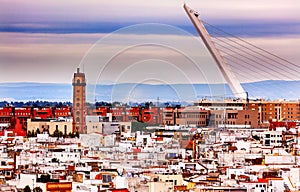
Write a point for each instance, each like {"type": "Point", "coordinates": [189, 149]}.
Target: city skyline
{"type": "Point", "coordinates": [42, 39]}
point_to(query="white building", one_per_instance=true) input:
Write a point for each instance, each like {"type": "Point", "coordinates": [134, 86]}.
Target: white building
{"type": "Point", "coordinates": [272, 138]}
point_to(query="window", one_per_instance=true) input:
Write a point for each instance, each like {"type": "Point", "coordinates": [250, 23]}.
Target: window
{"type": "Point", "coordinates": [65, 129]}
{"type": "Point", "coordinates": [106, 178]}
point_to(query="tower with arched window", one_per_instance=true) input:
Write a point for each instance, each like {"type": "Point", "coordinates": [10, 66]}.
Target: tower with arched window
{"type": "Point", "coordinates": [79, 101]}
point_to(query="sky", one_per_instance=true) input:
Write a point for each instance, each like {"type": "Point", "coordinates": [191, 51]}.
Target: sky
{"type": "Point", "coordinates": [135, 41]}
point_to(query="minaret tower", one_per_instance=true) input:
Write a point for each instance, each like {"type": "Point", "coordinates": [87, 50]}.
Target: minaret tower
{"type": "Point", "coordinates": [79, 101]}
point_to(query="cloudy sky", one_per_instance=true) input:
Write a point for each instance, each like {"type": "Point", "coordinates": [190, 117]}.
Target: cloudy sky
{"type": "Point", "coordinates": [45, 41]}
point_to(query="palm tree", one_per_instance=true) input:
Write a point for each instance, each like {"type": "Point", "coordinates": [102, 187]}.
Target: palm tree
{"type": "Point", "coordinates": [27, 189]}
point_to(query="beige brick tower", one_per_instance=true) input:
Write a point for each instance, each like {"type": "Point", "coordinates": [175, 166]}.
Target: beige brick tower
{"type": "Point", "coordinates": [79, 101]}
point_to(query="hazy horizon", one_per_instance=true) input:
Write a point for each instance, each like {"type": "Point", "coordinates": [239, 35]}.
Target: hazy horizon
{"type": "Point", "coordinates": [144, 92]}
{"type": "Point", "coordinates": [46, 41]}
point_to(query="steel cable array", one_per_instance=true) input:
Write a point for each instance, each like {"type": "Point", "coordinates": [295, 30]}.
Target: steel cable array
{"type": "Point", "coordinates": [249, 62]}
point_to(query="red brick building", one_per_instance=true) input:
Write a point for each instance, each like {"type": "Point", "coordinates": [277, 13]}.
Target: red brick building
{"type": "Point", "coordinates": [16, 118]}
{"type": "Point", "coordinates": [256, 113]}
{"type": "Point", "coordinates": [151, 115]}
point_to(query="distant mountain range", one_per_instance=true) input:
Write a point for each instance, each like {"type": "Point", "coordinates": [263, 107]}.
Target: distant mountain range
{"type": "Point", "coordinates": [289, 90]}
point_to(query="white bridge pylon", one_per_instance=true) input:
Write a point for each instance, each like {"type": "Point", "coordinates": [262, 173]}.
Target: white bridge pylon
{"type": "Point", "coordinates": [225, 69]}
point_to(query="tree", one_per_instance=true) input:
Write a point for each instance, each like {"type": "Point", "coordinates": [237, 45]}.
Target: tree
{"type": "Point", "coordinates": [27, 189]}
{"type": "Point", "coordinates": [24, 127]}
{"type": "Point", "coordinates": [45, 130]}
{"type": "Point", "coordinates": [45, 178]}
{"type": "Point", "coordinates": [37, 189]}
{"type": "Point", "coordinates": [32, 134]}
{"type": "Point", "coordinates": [60, 134]}
{"type": "Point", "coordinates": [56, 133]}
{"type": "Point", "coordinates": [77, 134]}
{"type": "Point", "coordinates": [59, 105]}
{"type": "Point", "coordinates": [71, 135]}
{"type": "Point", "coordinates": [256, 137]}
{"type": "Point", "coordinates": [148, 105]}
{"type": "Point", "coordinates": [29, 134]}
{"type": "Point", "coordinates": [54, 160]}
{"type": "Point", "coordinates": [116, 104]}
